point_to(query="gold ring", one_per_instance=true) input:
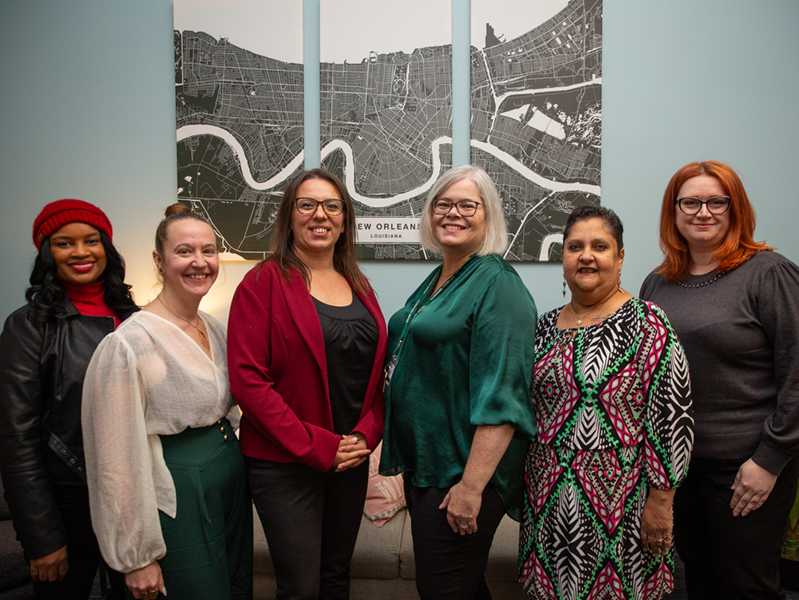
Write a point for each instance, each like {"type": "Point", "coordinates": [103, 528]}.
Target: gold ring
{"type": "Point", "coordinates": [152, 594]}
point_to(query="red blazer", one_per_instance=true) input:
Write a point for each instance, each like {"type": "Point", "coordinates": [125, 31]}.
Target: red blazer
{"type": "Point", "coordinates": [278, 371]}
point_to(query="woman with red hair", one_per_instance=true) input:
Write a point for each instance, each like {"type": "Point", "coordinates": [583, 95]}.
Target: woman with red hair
{"type": "Point", "coordinates": [734, 303]}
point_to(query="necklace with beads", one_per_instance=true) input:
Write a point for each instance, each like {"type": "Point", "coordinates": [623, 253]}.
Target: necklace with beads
{"type": "Point", "coordinates": [702, 284]}
{"type": "Point", "coordinates": [592, 309]}
{"type": "Point", "coordinates": [203, 338]}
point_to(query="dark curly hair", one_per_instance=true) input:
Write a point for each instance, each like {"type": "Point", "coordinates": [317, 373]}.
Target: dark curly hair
{"type": "Point", "coordinates": [611, 219]}
{"type": "Point", "coordinates": [47, 292]}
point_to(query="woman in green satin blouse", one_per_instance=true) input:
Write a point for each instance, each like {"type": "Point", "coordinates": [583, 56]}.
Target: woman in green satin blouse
{"type": "Point", "coordinates": [458, 416]}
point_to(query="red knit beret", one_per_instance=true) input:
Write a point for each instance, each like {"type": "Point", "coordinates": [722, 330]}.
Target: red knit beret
{"type": "Point", "coordinates": [62, 212]}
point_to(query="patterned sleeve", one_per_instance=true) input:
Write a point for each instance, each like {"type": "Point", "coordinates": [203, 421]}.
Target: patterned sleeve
{"type": "Point", "coordinates": [669, 426]}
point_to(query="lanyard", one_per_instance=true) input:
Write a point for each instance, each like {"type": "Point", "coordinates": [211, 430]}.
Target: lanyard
{"type": "Point", "coordinates": [392, 364]}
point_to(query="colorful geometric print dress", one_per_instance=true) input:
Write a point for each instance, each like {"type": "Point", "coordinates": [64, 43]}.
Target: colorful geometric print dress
{"type": "Point", "coordinates": [613, 409]}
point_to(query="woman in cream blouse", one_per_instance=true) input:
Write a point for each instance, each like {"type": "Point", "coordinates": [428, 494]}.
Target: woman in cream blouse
{"type": "Point", "coordinates": [166, 477]}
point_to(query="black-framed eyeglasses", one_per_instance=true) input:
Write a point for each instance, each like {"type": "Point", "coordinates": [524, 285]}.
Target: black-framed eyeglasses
{"type": "Point", "coordinates": [333, 207]}
{"type": "Point", "coordinates": [716, 205]}
{"type": "Point", "coordinates": [465, 208]}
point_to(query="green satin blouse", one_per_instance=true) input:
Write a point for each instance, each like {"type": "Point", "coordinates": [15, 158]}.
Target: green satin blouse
{"type": "Point", "coordinates": [466, 360]}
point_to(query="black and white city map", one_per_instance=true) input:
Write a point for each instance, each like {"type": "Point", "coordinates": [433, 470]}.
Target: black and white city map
{"type": "Point", "coordinates": [385, 114]}
{"type": "Point", "coordinates": [536, 113]}
{"type": "Point", "coordinates": [239, 105]}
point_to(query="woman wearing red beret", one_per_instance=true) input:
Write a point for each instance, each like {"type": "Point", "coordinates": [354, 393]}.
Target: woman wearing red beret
{"type": "Point", "coordinates": [77, 296]}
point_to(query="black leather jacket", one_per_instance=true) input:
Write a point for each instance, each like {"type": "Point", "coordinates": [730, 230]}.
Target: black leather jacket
{"type": "Point", "coordinates": [42, 366]}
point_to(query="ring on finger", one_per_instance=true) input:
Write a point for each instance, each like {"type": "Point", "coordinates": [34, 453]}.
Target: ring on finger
{"type": "Point", "coordinates": [464, 526]}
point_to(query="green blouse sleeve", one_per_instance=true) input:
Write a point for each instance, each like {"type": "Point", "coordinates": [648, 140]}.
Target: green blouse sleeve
{"type": "Point", "coordinates": [502, 353]}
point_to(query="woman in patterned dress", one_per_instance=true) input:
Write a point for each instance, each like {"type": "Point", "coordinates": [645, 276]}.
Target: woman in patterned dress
{"type": "Point", "coordinates": [612, 400]}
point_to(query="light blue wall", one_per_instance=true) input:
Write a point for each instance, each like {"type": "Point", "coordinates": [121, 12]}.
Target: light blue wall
{"type": "Point", "coordinates": [88, 112]}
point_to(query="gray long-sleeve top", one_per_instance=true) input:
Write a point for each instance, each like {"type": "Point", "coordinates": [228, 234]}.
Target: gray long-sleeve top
{"type": "Point", "coordinates": [740, 332]}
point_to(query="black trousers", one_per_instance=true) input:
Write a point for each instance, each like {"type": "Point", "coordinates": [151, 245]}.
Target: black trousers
{"type": "Point", "coordinates": [450, 566]}
{"type": "Point", "coordinates": [82, 551]}
{"type": "Point", "coordinates": [725, 556]}
{"type": "Point", "coordinates": [311, 521]}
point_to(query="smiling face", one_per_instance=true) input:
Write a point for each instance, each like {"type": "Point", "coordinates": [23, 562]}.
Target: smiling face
{"type": "Point", "coordinates": [190, 262]}
{"type": "Point", "coordinates": [591, 261]}
{"type": "Point", "coordinates": [703, 231]}
{"type": "Point", "coordinates": [78, 252]}
{"type": "Point", "coordinates": [455, 233]}
{"type": "Point", "coordinates": [315, 235]}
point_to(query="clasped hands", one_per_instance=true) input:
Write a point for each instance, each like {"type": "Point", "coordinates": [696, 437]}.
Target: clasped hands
{"type": "Point", "coordinates": [352, 451]}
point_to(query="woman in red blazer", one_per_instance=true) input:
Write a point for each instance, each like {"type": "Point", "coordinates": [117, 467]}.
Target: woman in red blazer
{"type": "Point", "coordinates": [306, 344]}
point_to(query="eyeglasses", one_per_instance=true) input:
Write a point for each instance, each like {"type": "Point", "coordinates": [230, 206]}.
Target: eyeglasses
{"type": "Point", "coordinates": [333, 207]}
{"type": "Point", "coordinates": [716, 205]}
{"type": "Point", "coordinates": [465, 208]}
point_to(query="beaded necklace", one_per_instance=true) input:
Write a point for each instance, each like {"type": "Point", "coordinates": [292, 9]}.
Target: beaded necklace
{"type": "Point", "coordinates": [699, 285]}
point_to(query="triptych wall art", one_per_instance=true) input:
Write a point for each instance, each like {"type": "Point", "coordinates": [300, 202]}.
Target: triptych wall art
{"type": "Point", "coordinates": [385, 97]}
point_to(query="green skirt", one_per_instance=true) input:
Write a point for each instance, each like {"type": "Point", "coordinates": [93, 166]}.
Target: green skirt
{"type": "Point", "coordinates": [209, 543]}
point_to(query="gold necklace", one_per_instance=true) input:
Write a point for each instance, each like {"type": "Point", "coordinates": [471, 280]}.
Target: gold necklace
{"type": "Point", "coordinates": [579, 318]}
{"type": "Point", "coordinates": [203, 338]}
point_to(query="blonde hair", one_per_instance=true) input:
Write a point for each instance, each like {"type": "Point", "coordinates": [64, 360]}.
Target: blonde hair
{"type": "Point", "coordinates": [496, 238]}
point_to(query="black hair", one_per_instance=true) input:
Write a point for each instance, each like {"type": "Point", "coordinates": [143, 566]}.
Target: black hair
{"type": "Point", "coordinates": [611, 219]}
{"type": "Point", "coordinates": [47, 292]}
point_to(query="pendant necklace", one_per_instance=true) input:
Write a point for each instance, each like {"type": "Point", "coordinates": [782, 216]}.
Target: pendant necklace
{"type": "Point", "coordinates": [595, 308]}
{"type": "Point", "coordinates": [203, 338]}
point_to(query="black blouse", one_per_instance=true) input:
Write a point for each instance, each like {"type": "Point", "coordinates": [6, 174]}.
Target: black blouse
{"type": "Point", "coordinates": [350, 334]}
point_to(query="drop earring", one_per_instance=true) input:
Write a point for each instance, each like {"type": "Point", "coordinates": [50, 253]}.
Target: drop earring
{"type": "Point", "coordinates": [564, 287]}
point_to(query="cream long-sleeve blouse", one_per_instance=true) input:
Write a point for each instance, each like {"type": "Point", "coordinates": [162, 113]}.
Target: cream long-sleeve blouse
{"type": "Point", "coordinates": [146, 379]}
